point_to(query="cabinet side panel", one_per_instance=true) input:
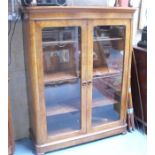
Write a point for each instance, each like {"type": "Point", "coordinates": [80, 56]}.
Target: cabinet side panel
{"type": "Point", "coordinates": [32, 81]}
{"type": "Point", "coordinates": [28, 75]}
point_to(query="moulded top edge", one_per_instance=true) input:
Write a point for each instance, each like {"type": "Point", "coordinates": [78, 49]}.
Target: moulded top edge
{"type": "Point", "coordinates": [45, 9]}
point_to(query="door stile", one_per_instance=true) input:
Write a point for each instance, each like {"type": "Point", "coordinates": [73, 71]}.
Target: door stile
{"type": "Point", "coordinates": [126, 73]}
{"type": "Point", "coordinates": [40, 103]}
{"type": "Point", "coordinates": [128, 48]}
{"type": "Point", "coordinates": [89, 74]}
{"type": "Point", "coordinates": [83, 77]}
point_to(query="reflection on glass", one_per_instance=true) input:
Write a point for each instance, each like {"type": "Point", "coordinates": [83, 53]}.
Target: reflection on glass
{"type": "Point", "coordinates": [61, 58]}
{"type": "Point", "coordinates": [107, 73]}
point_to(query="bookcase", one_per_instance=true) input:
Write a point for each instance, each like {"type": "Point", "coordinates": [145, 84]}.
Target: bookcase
{"type": "Point", "coordinates": [78, 64]}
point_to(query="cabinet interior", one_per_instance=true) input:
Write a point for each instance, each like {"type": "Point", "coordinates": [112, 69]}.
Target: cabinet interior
{"type": "Point", "coordinates": [62, 76]}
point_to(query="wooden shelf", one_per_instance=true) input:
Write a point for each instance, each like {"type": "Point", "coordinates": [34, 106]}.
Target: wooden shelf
{"type": "Point", "coordinates": [59, 77]}
{"type": "Point", "coordinates": [47, 43]}
{"type": "Point", "coordinates": [106, 39]}
{"type": "Point", "coordinates": [62, 108]}
{"type": "Point", "coordinates": [74, 106]}
{"type": "Point", "coordinates": [104, 88]}
{"type": "Point", "coordinates": [100, 103]}
{"type": "Point", "coordinates": [105, 72]}
{"type": "Point", "coordinates": [115, 87]}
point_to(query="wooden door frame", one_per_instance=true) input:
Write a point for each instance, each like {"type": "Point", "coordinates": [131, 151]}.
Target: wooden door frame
{"type": "Point", "coordinates": [126, 71]}
{"type": "Point", "coordinates": [61, 23]}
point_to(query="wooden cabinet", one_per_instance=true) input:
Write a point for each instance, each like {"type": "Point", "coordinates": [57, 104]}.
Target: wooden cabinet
{"type": "Point", "coordinates": [78, 62]}
{"type": "Point", "coordinates": [139, 85]}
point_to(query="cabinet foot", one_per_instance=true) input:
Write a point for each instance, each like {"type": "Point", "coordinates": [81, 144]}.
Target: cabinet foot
{"type": "Point", "coordinates": [130, 129]}
{"type": "Point", "coordinates": [124, 133]}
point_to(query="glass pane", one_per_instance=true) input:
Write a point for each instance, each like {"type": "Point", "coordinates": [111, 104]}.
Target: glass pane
{"type": "Point", "coordinates": [62, 85]}
{"type": "Point", "coordinates": [107, 73]}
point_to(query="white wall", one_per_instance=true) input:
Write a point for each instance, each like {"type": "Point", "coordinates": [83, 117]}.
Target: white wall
{"type": "Point", "coordinates": [17, 85]}
{"type": "Point", "coordinates": [87, 2]}
{"type": "Point", "coordinates": [136, 31]}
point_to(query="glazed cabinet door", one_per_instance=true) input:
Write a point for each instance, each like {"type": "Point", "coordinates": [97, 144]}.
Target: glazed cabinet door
{"type": "Point", "coordinates": [63, 76]}
{"type": "Point", "coordinates": [108, 64]}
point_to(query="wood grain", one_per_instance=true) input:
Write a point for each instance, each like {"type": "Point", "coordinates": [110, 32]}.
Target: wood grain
{"type": "Point", "coordinates": [37, 18]}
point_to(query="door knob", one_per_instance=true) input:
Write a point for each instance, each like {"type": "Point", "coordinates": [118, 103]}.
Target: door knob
{"type": "Point", "coordinates": [89, 82]}
{"type": "Point", "coordinates": [84, 83]}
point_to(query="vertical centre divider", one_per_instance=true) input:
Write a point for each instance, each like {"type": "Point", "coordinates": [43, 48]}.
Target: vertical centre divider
{"type": "Point", "coordinates": [89, 76]}
{"type": "Point", "coordinates": [84, 50]}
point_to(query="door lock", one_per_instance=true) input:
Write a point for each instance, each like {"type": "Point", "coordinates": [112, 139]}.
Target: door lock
{"type": "Point", "coordinates": [86, 83]}
{"type": "Point", "coordinates": [89, 82]}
